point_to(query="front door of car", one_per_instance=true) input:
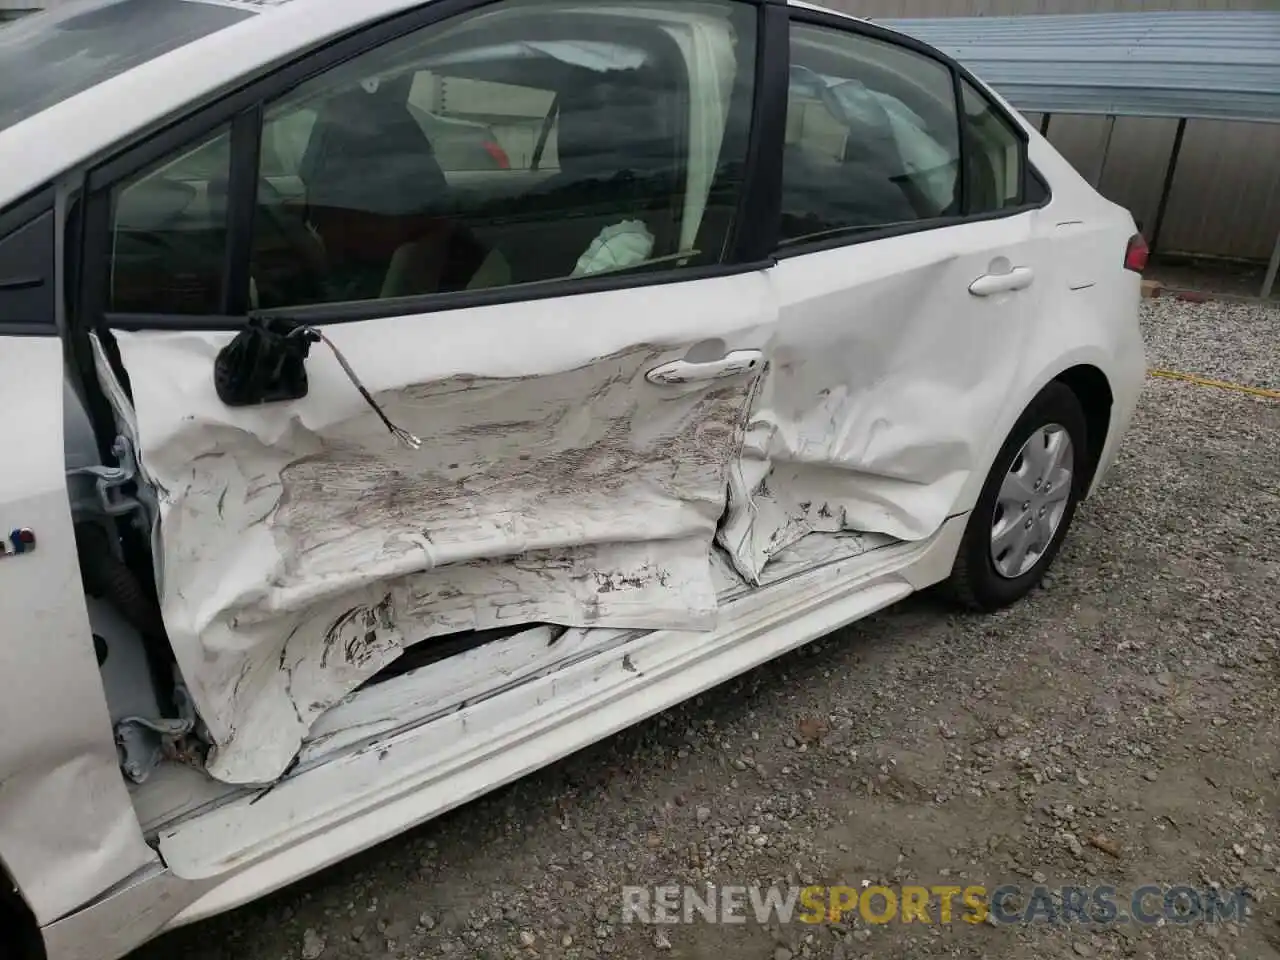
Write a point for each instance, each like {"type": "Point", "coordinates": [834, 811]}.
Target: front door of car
{"type": "Point", "coordinates": [907, 286]}
{"type": "Point", "coordinates": [567, 370]}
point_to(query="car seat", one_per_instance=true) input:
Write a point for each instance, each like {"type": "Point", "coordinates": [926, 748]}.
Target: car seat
{"type": "Point", "coordinates": [379, 201]}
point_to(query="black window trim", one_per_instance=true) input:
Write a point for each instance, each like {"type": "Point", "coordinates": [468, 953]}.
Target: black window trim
{"type": "Point", "coordinates": [242, 207]}
{"type": "Point", "coordinates": [320, 314]}
{"type": "Point", "coordinates": [964, 136]}
{"type": "Point", "coordinates": [745, 250]}
{"type": "Point", "coordinates": [25, 209]}
{"type": "Point", "coordinates": [757, 223]}
{"type": "Point", "coordinates": [17, 216]}
{"type": "Point", "coordinates": [844, 237]}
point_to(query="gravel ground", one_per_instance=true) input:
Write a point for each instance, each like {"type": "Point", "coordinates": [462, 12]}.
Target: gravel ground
{"type": "Point", "coordinates": [1239, 342]}
{"type": "Point", "coordinates": [1135, 698]}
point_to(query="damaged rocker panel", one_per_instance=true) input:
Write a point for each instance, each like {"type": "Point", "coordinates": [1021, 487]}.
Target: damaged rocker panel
{"type": "Point", "coordinates": [301, 552]}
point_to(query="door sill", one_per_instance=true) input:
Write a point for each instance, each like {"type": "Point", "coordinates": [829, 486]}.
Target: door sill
{"type": "Point", "coordinates": [369, 793]}
{"type": "Point", "coordinates": [176, 792]}
{"type": "Point", "coordinates": [443, 687]}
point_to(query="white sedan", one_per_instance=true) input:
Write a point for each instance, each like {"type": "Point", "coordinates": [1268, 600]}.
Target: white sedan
{"type": "Point", "coordinates": [399, 396]}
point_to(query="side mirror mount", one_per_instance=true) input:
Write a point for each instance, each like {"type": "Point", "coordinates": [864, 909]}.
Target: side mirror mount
{"type": "Point", "coordinates": [264, 363]}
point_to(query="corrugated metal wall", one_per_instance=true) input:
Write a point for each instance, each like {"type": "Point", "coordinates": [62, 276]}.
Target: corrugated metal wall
{"type": "Point", "coordinates": [1226, 194]}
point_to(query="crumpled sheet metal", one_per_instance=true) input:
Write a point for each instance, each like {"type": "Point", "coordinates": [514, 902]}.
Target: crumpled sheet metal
{"type": "Point", "coordinates": [300, 550]}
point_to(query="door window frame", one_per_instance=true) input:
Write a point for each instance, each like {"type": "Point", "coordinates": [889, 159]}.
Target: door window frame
{"type": "Point", "coordinates": [753, 243]}
{"type": "Point", "coordinates": [28, 271]}
{"type": "Point", "coordinates": [748, 249]}
{"type": "Point", "coordinates": [861, 28]}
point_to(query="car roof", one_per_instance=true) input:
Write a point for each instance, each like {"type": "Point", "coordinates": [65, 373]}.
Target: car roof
{"type": "Point", "coordinates": [151, 88]}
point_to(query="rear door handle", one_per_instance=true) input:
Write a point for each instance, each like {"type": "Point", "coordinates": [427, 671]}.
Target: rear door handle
{"type": "Point", "coordinates": [1019, 278]}
{"type": "Point", "coordinates": [732, 364]}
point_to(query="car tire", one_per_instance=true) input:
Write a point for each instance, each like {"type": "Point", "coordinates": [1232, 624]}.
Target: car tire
{"type": "Point", "coordinates": [1026, 505]}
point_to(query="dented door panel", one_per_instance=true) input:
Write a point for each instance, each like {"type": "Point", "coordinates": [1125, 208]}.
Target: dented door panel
{"type": "Point", "coordinates": [882, 387]}
{"type": "Point", "coordinates": [301, 550]}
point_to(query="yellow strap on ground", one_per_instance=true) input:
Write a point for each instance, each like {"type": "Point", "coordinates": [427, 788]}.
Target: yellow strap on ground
{"type": "Point", "coordinates": [1220, 384]}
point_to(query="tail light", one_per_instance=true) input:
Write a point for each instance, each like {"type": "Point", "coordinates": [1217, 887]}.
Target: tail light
{"type": "Point", "coordinates": [1136, 254]}
{"type": "Point", "coordinates": [499, 155]}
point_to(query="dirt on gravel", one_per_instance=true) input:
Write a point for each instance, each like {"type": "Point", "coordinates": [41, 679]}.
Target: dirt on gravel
{"type": "Point", "coordinates": [1121, 727]}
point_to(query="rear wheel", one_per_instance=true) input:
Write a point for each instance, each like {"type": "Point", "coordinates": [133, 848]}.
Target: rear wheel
{"type": "Point", "coordinates": [1026, 505]}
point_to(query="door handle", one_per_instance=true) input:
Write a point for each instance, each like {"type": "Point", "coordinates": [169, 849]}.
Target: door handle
{"type": "Point", "coordinates": [732, 364]}
{"type": "Point", "coordinates": [1019, 278]}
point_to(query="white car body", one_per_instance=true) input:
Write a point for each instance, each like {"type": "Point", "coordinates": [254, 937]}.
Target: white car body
{"type": "Point", "coordinates": [682, 529]}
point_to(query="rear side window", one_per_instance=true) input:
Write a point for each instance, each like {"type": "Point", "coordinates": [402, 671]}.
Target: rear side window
{"type": "Point", "coordinates": [873, 139]}
{"type": "Point", "coordinates": [53, 55]}
{"type": "Point", "coordinates": [993, 155]}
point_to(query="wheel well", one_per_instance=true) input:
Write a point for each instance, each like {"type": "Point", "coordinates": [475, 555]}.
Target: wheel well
{"type": "Point", "coordinates": [19, 933]}
{"type": "Point", "coordinates": [1091, 388]}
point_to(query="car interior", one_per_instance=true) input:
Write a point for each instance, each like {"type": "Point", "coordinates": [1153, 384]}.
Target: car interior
{"type": "Point", "coordinates": [370, 213]}
{"type": "Point", "coordinates": [366, 210]}
{"type": "Point", "coordinates": [849, 174]}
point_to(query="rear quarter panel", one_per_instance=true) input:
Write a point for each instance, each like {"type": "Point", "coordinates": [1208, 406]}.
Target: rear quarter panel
{"type": "Point", "coordinates": [1088, 313]}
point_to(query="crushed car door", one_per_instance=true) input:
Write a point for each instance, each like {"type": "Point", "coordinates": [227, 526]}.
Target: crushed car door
{"type": "Point", "coordinates": [391, 453]}
{"type": "Point", "coordinates": [906, 294]}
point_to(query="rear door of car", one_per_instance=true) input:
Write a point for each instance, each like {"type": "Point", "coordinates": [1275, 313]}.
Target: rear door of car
{"type": "Point", "coordinates": [518, 411]}
{"type": "Point", "coordinates": [910, 278]}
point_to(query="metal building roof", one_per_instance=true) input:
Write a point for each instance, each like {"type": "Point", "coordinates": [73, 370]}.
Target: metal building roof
{"type": "Point", "coordinates": [1221, 65]}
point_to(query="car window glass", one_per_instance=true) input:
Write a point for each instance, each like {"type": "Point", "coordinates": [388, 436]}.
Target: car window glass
{"type": "Point", "coordinates": [460, 146]}
{"type": "Point", "coordinates": [168, 233]}
{"type": "Point", "coordinates": [993, 165]}
{"type": "Point", "coordinates": [530, 141]}
{"type": "Point", "coordinates": [486, 141]}
{"type": "Point", "coordinates": [872, 136]}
